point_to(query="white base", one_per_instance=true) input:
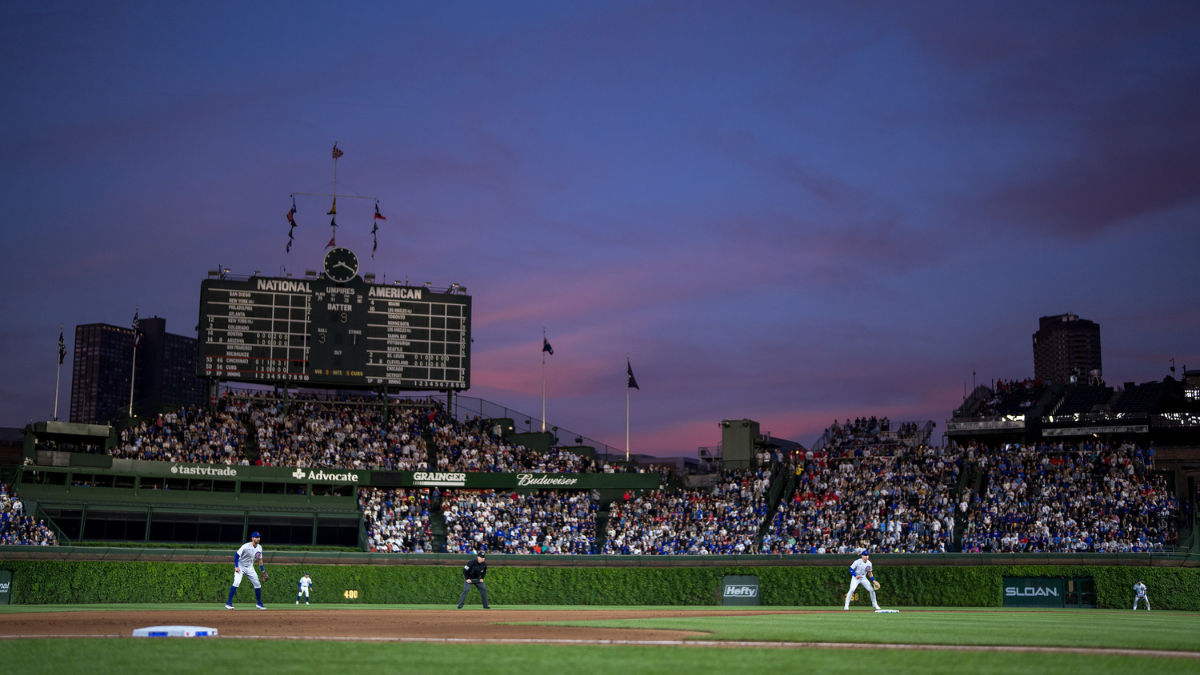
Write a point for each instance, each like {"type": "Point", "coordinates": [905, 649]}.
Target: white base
{"type": "Point", "coordinates": [175, 631]}
{"type": "Point", "coordinates": [887, 611]}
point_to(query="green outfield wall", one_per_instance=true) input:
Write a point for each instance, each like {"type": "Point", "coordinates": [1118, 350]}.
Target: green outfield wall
{"type": "Point", "coordinates": [510, 582]}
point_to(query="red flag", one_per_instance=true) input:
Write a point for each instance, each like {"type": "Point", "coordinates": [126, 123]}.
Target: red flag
{"type": "Point", "coordinates": [378, 215]}
{"type": "Point", "coordinates": [291, 215]}
{"type": "Point", "coordinates": [337, 153]}
{"type": "Point", "coordinates": [332, 243]}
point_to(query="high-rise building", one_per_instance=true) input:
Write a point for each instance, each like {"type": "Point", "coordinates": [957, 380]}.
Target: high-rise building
{"type": "Point", "coordinates": [1066, 346]}
{"type": "Point", "coordinates": [103, 364]}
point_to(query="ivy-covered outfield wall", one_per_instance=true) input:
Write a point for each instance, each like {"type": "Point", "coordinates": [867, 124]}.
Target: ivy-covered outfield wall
{"type": "Point", "coordinates": [55, 582]}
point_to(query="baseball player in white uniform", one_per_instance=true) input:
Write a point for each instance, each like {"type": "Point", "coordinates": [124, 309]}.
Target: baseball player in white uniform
{"type": "Point", "coordinates": [861, 574]}
{"type": "Point", "coordinates": [249, 555]}
{"type": "Point", "coordinates": [305, 584]}
{"type": "Point", "coordinates": [1139, 593]}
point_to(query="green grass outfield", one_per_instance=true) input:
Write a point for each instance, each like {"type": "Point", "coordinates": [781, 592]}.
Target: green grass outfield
{"type": "Point", "coordinates": [1175, 631]}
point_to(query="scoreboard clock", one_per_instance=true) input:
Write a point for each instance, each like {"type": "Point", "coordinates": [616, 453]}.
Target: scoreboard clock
{"type": "Point", "coordinates": [335, 330]}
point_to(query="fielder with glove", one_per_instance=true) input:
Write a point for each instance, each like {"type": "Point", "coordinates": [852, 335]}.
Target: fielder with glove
{"type": "Point", "coordinates": [860, 572]}
{"type": "Point", "coordinates": [249, 555]}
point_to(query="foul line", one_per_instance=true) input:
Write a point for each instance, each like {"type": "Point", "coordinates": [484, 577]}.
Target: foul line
{"type": "Point", "coordinates": [1088, 651]}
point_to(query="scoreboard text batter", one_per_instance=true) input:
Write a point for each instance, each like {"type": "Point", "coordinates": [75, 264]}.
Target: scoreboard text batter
{"type": "Point", "coordinates": [318, 332]}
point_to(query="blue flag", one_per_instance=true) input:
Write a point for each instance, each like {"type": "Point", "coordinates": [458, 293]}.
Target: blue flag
{"type": "Point", "coordinates": [546, 346]}
{"type": "Point", "coordinates": [632, 382]}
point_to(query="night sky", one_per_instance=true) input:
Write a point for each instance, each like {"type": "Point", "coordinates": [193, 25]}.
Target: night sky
{"type": "Point", "coordinates": [781, 211]}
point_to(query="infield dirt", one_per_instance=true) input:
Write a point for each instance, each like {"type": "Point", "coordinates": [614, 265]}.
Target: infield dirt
{"type": "Point", "coordinates": [469, 624]}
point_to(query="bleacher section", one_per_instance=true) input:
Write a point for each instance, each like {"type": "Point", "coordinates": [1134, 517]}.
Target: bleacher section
{"type": "Point", "coordinates": [1083, 399]}
{"type": "Point", "coordinates": [1144, 398]}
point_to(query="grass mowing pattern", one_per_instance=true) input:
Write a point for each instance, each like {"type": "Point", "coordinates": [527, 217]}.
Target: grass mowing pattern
{"type": "Point", "coordinates": [1046, 628]}
{"type": "Point", "coordinates": [207, 656]}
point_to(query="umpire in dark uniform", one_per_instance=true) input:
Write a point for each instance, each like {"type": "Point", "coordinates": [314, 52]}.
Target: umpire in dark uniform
{"type": "Point", "coordinates": [474, 572]}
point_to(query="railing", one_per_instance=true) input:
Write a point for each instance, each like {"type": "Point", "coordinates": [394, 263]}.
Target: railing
{"type": "Point", "coordinates": [469, 405]}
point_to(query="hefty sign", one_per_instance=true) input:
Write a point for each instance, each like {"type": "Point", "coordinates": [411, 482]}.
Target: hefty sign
{"type": "Point", "coordinates": [739, 590]}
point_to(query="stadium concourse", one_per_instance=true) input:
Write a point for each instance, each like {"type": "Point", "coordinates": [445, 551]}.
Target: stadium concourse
{"type": "Point", "coordinates": [870, 484]}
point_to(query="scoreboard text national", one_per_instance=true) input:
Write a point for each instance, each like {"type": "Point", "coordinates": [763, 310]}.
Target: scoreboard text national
{"type": "Point", "coordinates": [322, 332]}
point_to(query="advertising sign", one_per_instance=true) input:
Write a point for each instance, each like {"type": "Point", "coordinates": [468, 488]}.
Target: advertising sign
{"type": "Point", "coordinates": [739, 590]}
{"type": "Point", "coordinates": [1034, 592]}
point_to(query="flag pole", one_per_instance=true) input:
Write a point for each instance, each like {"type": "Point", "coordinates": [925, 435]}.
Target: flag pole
{"type": "Point", "coordinates": [133, 369]}
{"type": "Point", "coordinates": [627, 414]}
{"type": "Point", "coordinates": [58, 375]}
{"type": "Point", "coordinates": [543, 379]}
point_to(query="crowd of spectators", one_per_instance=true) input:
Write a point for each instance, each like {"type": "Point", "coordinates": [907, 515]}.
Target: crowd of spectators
{"type": "Point", "coordinates": [397, 521]}
{"type": "Point", "coordinates": [897, 503]}
{"type": "Point", "coordinates": [546, 522]}
{"type": "Point", "coordinates": [471, 446]}
{"type": "Point", "coordinates": [721, 520]}
{"type": "Point", "coordinates": [324, 434]}
{"type": "Point", "coordinates": [876, 434]}
{"type": "Point", "coordinates": [189, 435]}
{"type": "Point", "coordinates": [1089, 497]}
{"type": "Point", "coordinates": [18, 529]}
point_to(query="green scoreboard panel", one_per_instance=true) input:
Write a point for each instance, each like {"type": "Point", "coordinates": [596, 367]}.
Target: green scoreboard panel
{"type": "Point", "coordinates": [324, 333]}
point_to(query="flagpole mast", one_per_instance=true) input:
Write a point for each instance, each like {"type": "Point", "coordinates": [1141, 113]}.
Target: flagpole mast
{"type": "Point", "coordinates": [626, 414]}
{"type": "Point", "coordinates": [58, 375]}
{"type": "Point", "coordinates": [133, 369]}
{"type": "Point", "coordinates": [543, 379]}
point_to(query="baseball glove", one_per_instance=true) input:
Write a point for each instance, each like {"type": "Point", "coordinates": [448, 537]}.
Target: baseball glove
{"type": "Point", "coordinates": [875, 585]}
{"type": "Point", "coordinates": [266, 576]}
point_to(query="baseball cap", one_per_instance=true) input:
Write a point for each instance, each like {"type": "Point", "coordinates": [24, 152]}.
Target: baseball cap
{"type": "Point", "coordinates": [255, 535]}
{"type": "Point", "coordinates": [866, 552]}
{"type": "Point", "coordinates": [481, 554]}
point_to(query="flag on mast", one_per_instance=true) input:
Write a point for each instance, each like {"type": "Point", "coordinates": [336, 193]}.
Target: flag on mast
{"type": "Point", "coordinates": [137, 334]}
{"type": "Point", "coordinates": [62, 347]}
{"type": "Point", "coordinates": [333, 209]}
{"type": "Point", "coordinates": [378, 215]}
{"type": "Point", "coordinates": [336, 153]}
{"type": "Point", "coordinates": [546, 346]}
{"type": "Point", "coordinates": [374, 238]}
{"type": "Point", "coordinates": [632, 382]}
{"type": "Point", "coordinates": [332, 242]}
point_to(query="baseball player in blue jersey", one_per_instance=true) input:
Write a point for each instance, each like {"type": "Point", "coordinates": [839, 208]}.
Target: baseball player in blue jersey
{"type": "Point", "coordinates": [860, 573]}
{"type": "Point", "coordinates": [249, 555]}
{"type": "Point", "coordinates": [1139, 593]}
{"type": "Point", "coordinates": [305, 584]}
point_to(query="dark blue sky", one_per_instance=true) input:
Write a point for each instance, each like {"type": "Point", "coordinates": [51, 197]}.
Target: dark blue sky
{"type": "Point", "coordinates": [782, 211]}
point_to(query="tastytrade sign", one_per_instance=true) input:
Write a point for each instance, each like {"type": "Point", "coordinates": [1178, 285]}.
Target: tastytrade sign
{"type": "Point", "coordinates": [440, 478]}
{"type": "Point", "coordinates": [203, 470]}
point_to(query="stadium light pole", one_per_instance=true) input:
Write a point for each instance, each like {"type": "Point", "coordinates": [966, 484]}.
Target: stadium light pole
{"type": "Point", "coordinates": [543, 380]}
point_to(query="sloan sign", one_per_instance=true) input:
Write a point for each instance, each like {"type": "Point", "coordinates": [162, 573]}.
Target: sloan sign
{"type": "Point", "coordinates": [1034, 592]}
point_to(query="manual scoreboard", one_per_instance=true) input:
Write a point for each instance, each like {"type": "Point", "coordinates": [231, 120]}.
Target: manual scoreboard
{"type": "Point", "coordinates": [324, 332]}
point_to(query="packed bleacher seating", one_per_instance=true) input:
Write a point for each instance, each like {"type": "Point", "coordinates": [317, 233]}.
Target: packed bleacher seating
{"type": "Point", "coordinates": [18, 529]}
{"type": "Point", "coordinates": [468, 446]}
{"type": "Point", "coordinates": [397, 521]}
{"type": "Point", "coordinates": [327, 435]}
{"type": "Point", "coordinates": [880, 434]}
{"type": "Point", "coordinates": [189, 435]}
{"type": "Point", "coordinates": [721, 520]}
{"type": "Point", "coordinates": [545, 522]}
{"type": "Point", "coordinates": [900, 503]}
{"type": "Point", "coordinates": [1069, 499]}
